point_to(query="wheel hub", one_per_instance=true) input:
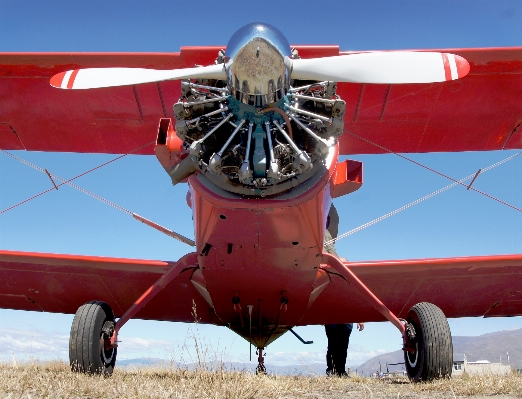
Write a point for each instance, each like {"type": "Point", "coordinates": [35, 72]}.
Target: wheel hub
{"type": "Point", "coordinates": [413, 354]}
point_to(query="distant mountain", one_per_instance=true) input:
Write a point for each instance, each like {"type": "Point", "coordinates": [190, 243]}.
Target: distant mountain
{"type": "Point", "coordinates": [492, 347]}
{"type": "Point", "coordinates": [307, 370]}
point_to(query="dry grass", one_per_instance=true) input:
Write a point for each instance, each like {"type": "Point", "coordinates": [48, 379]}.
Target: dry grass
{"type": "Point", "coordinates": [55, 380]}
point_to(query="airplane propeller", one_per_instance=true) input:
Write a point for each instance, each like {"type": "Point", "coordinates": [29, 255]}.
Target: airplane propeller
{"type": "Point", "coordinates": [375, 67]}
{"type": "Point", "coordinates": [383, 67]}
{"type": "Point", "coordinates": [92, 78]}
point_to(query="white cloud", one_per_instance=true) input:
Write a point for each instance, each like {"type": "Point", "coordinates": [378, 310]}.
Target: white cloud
{"type": "Point", "coordinates": [26, 344]}
{"type": "Point", "coordinates": [294, 358]}
{"type": "Point", "coordinates": [134, 347]}
{"type": "Point", "coordinates": [357, 355]}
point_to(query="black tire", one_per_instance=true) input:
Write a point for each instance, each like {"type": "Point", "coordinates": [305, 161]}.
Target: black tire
{"type": "Point", "coordinates": [87, 352]}
{"type": "Point", "coordinates": [433, 357]}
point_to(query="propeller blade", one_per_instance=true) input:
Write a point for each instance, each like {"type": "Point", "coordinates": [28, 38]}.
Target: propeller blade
{"type": "Point", "coordinates": [383, 67]}
{"type": "Point", "coordinates": [92, 78]}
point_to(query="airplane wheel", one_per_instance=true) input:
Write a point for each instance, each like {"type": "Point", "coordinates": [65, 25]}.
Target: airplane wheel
{"type": "Point", "coordinates": [433, 357]}
{"type": "Point", "coordinates": [260, 369]}
{"type": "Point", "coordinates": [90, 333]}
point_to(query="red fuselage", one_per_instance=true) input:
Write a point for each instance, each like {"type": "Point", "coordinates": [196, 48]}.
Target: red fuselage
{"type": "Point", "coordinates": [261, 250]}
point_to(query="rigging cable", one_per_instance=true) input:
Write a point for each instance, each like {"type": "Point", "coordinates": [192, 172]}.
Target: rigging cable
{"type": "Point", "coordinates": [68, 182]}
{"type": "Point", "coordinates": [95, 196]}
{"type": "Point", "coordinates": [434, 171]}
{"type": "Point", "coordinates": [456, 183]}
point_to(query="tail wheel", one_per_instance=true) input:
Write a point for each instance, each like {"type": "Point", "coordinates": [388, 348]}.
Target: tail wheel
{"type": "Point", "coordinates": [89, 349]}
{"type": "Point", "coordinates": [433, 354]}
{"type": "Point", "coordinates": [260, 369]}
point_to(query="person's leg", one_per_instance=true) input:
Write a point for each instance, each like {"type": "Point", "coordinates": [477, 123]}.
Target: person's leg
{"type": "Point", "coordinates": [341, 351]}
{"type": "Point", "coordinates": [329, 351]}
{"type": "Point", "coordinates": [336, 354]}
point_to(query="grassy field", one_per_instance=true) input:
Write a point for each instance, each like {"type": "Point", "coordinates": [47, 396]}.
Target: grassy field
{"type": "Point", "coordinates": [55, 380]}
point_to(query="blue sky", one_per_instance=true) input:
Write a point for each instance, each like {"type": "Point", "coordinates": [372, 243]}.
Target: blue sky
{"type": "Point", "coordinates": [455, 223]}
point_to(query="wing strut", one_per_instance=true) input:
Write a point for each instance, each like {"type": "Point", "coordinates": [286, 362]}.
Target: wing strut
{"type": "Point", "coordinates": [185, 262]}
{"type": "Point", "coordinates": [349, 276]}
{"type": "Point", "coordinates": [164, 230]}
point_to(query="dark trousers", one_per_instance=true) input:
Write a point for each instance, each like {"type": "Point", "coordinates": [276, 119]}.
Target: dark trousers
{"type": "Point", "coordinates": [338, 337]}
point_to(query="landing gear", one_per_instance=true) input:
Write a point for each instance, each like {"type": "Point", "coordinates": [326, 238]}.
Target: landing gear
{"type": "Point", "coordinates": [90, 349]}
{"type": "Point", "coordinates": [431, 353]}
{"type": "Point", "coordinates": [428, 349]}
{"type": "Point", "coordinates": [94, 333]}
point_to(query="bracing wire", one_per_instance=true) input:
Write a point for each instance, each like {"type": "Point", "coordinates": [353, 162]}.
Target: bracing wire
{"type": "Point", "coordinates": [95, 196]}
{"type": "Point", "coordinates": [434, 171]}
{"type": "Point", "coordinates": [68, 182]}
{"type": "Point", "coordinates": [402, 208]}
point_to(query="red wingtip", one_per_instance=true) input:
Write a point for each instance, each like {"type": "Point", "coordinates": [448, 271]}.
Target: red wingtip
{"type": "Point", "coordinates": [56, 80]}
{"type": "Point", "coordinates": [462, 66]}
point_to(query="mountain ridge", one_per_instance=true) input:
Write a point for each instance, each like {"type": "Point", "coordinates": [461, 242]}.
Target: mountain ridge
{"type": "Point", "coordinates": [491, 346]}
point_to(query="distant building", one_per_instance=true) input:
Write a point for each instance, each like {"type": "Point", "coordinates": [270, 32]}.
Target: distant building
{"type": "Point", "coordinates": [458, 362]}
{"type": "Point", "coordinates": [461, 365]}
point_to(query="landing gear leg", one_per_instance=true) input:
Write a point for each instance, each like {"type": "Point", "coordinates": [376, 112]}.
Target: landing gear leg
{"type": "Point", "coordinates": [94, 332]}
{"type": "Point", "coordinates": [348, 275]}
{"type": "Point", "coordinates": [260, 369]}
{"type": "Point", "coordinates": [174, 270]}
{"type": "Point", "coordinates": [427, 344]}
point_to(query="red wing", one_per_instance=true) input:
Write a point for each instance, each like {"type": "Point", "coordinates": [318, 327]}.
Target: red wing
{"type": "Point", "coordinates": [481, 111]}
{"type": "Point", "coordinates": [61, 283]}
{"type": "Point", "coordinates": [35, 116]}
{"type": "Point", "coordinates": [473, 286]}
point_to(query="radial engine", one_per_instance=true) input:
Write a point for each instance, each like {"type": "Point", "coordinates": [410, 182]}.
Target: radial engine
{"type": "Point", "coordinates": [257, 133]}
{"type": "Point", "coordinates": [256, 150]}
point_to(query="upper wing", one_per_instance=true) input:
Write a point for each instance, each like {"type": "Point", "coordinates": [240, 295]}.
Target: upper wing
{"type": "Point", "coordinates": [481, 111]}
{"type": "Point", "coordinates": [471, 286]}
{"type": "Point", "coordinates": [35, 116]}
{"type": "Point", "coordinates": [62, 283]}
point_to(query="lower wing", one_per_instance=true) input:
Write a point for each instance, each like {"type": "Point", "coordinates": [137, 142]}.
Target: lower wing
{"type": "Point", "coordinates": [462, 287]}
{"type": "Point", "coordinates": [471, 286]}
{"type": "Point", "coordinates": [62, 283]}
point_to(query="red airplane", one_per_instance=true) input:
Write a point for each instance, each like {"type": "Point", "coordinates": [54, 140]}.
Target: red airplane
{"type": "Point", "coordinates": [255, 130]}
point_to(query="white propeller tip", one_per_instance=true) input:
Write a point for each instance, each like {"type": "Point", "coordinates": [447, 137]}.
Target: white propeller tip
{"type": "Point", "coordinates": [64, 80]}
{"type": "Point", "coordinates": [455, 66]}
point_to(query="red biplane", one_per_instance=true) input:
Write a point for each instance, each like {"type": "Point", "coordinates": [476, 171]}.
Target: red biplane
{"type": "Point", "coordinates": [255, 129]}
